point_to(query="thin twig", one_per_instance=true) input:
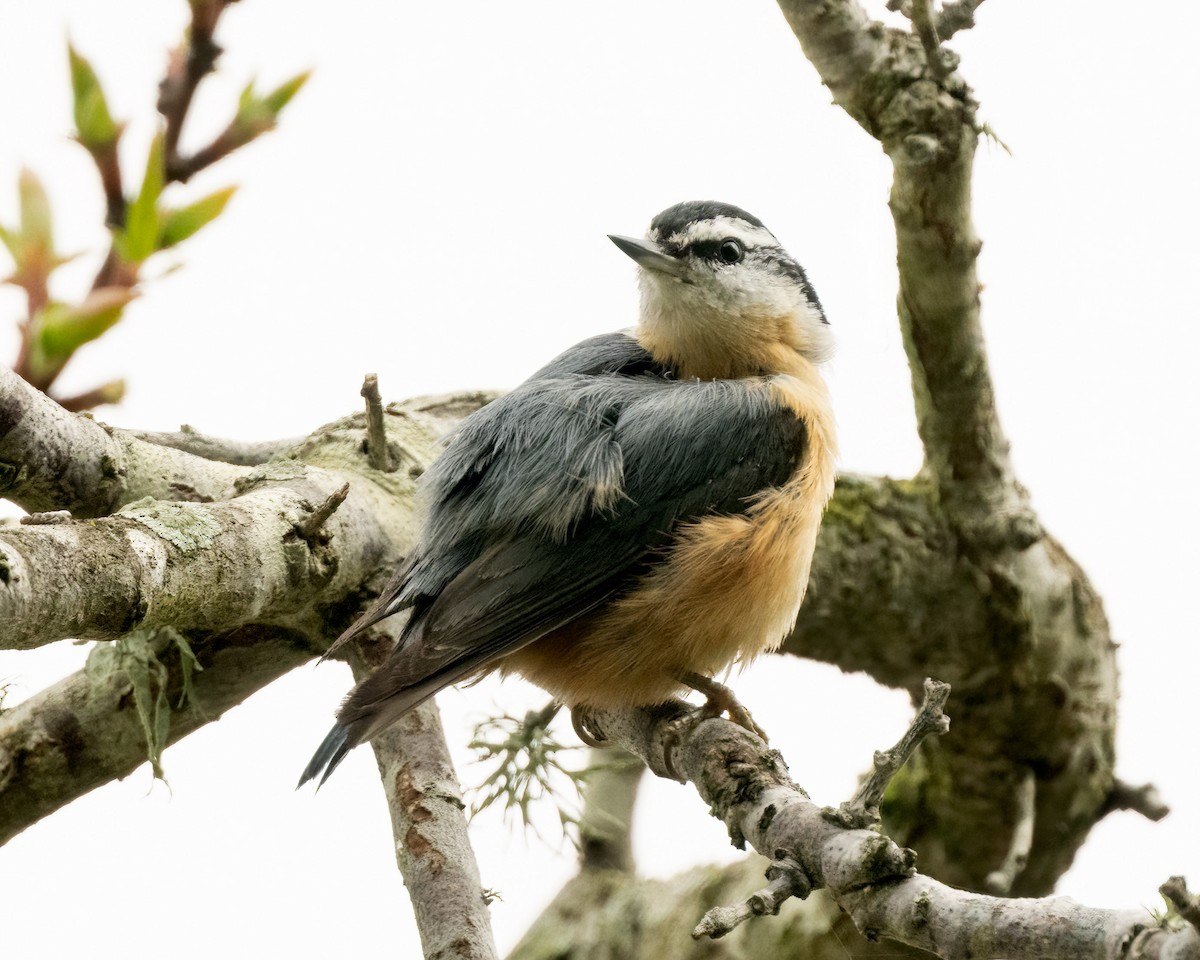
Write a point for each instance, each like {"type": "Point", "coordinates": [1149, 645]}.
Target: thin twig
{"type": "Point", "coordinates": [377, 447]}
{"type": "Point", "coordinates": [310, 526]}
{"type": "Point", "coordinates": [111, 392]}
{"type": "Point", "coordinates": [1000, 881]}
{"type": "Point", "coordinates": [190, 62]}
{"type": "Point", "coordinates": [955, 16]}
{"type": "Point", "coordinates": [1144, 799]}
{"type": "Point", "coordinates": [922, 19]}
{"type": "Point", "coordinates": [786, 879]}
{"type": "Point", "coordinates": [862, 810]}
{"type": "Point", "coordinates": [242, 453]}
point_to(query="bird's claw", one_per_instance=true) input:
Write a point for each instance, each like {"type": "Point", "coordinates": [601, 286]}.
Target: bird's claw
{"type": "Point", "coordinates": [580, 719]}
{"type": "Point", "coordinates": [719, 699]}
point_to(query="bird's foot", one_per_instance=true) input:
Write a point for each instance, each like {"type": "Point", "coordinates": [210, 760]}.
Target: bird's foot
{"type": "Point", "coordinates": [580, 720]}
{"type": "Point", "coordinates": [719, 700]}
{"type": "Point", "coordinates": [722, 700]}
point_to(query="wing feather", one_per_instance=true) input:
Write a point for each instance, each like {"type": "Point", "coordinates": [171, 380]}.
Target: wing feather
{"type": "Point", "coordinates": [555, 498]}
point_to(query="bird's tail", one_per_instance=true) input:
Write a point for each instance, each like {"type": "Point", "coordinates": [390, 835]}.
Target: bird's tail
{"type": "Point", "coordinates": [329, 754]}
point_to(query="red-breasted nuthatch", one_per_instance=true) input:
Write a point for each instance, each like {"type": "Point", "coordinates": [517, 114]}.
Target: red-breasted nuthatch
{"type": "Point", "coordinates": [638, 514]}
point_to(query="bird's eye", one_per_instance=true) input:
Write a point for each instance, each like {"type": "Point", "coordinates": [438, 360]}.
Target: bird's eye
{"type": "Point", "coordinates": [731, 251]}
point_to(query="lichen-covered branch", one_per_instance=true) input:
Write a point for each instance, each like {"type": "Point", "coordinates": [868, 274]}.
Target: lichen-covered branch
{"type": "Point", "coordinates": [923, 115]}
{"type": "Point", "coordinates": [84, 731]}
{"type": "Point", "coordinates": [230, 573]}
{"type": "Point", "coordinates": [893, 594]}
{"type": "Point", "coordinates": [1037, 654]}
{"type": "Point", "coordinates": [192, 566]}
{"type": "Point", "coordinates": [870, 877]}
{"type": "Point", "coordinates": [51, 459]}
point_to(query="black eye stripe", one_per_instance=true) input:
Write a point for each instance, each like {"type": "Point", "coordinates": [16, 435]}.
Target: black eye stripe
{"type": "Point", "coordinates": [726, 250]}
{"type": "Point", "coordinates": [706, 249]}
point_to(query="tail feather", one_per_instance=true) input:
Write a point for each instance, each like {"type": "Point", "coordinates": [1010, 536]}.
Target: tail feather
{"type": "Point", "coordinates": [329, 754]}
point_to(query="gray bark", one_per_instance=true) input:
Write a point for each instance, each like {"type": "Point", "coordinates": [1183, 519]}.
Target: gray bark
{"type": "Point", "coordinates": [426, 808]}
{"type": "Point", "coordinates": [868, 876]}
{"type": "Point", "coordinates": [951, 574]}
{"type": "Point", "coordinates": [257, 567]}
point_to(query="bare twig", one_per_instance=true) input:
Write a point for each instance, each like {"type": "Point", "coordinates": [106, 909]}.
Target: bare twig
{"type": "Point", "coordinates": [954, 16]}
{"type": "Point", "coordinates": [786, 879]}
{"type": "Point", "coordinates": [921, 12]}
{"type": "Point", "coordinates": [310, 527]}
{"type": "Point", "coordinates": [245, 453]}
{"type": "Point", "coordinates": [111, 392]}
{"type": "Point", "coordinates": [377, 450]}
{"type": "Point", "coordinates": [190, 62]}
{"type": "Point", "coordinates": [1000, 881]}
{"type": "Point", "coordinates": [108, 164]}
{"type": "Point", "coordinates": [862, 810]}
{"type": "Point", "coordinates": [1176, 891]}
{"type": "Point", "coordinates": [1144, 799]}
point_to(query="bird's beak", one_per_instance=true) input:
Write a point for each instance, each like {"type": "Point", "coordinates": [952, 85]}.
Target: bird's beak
{"type": "Point", "coordinates": [648, 254]}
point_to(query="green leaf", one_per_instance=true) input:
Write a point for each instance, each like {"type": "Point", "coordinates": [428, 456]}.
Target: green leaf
{"type": "Point", "coordinates": [11, 240]}
{"type": "Point", "coordinates": [59, 329]}
{"type": "Point", "coordinates": [139, 239]}
{"type": "Point", "coordinates": [178, 225]}
{"type": "Point", "coordinates": [93, 121]}
{"type": "Point", "coordinates": [36, 222]}
{"type": "Point", "coordinates": [246, 99]}
{"type": "Point", "coordinates": [257, 114]}
{"type": "Point", "coordinates": [31, 243]}
{"type": "Point", "coordinates": [279, 98]}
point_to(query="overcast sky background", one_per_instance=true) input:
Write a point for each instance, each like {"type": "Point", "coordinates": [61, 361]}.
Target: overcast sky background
{"type": "Point", "coordinates": [434, 209]}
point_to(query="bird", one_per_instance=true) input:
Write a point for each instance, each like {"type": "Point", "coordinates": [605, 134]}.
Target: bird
{"type": "Point", "coordinates": [638, 515]}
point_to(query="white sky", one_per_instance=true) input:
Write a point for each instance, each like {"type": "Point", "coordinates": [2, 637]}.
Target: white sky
{"type": "Point", "coordinates": [434, 208]}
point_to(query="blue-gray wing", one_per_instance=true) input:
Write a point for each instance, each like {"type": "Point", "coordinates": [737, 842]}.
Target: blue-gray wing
{"type": "Point", "coordinates": [551, 499]}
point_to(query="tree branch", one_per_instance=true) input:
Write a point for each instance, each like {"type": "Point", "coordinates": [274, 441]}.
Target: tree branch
{"type": "Point", "coordinates": [610, 792]}
{"type": "Point", "coordinates": [191, 566]}
{"type": "Point", "coordinates": [243, 453]}
{"type": "Point", "coordinates": [246, 551]}
{"type": "Point", "coordinates": [84, 730]}
{"type": "Point", "coordinates": [54, 460]}
{"type": "Point", "coordinates": [1041, 622]}
{"type": "Point", "coordinates": [924, 117]}
{"type": "Point", "coordinates": [194, 58]}
{"type": "Point", "coordinates": [433, 850]}
{"type": "Point", "coordinates": [955, 16]}
{"type": "Point", "coordinates": [872, 879]}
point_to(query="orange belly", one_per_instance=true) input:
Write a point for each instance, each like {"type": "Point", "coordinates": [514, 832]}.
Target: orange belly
{"type": "Point", "coordinates": [728, 589]}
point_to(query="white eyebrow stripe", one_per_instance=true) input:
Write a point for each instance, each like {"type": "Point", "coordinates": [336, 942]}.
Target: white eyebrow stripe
{"type": "Point", "coordinates": [720, 228]}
